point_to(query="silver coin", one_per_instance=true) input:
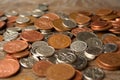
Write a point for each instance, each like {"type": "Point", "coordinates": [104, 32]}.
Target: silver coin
{"type": "Point", "coordinates": [2, 44]}
{"type": "Point", "coordinates": [45, 31]}
{"type": "Point", "coordinates": [80, 63]}
{"type": "Point", "coordinates": [33, 51]}
{"type": "Point", "coordinates": [78, 46]}
{"type": "Point", "coordinates": [65, 56]}
{"type": "Point", "coordinates": [22, 20]}
{"type": "Point", "coordinates": [62, 15]}
{"type": "Point", "coordinates": [45, 51]}
{"type": "Point", "coordinates": [43, 7]}
{"type": "Point", "coordinates": [37, 13]}
{"type": "Point", "coordinates": [52, 59]}
{"type": "Point", "coordinates": [84, 36]}
{"type": "Point", "coordinates": [28, 28]}
{"type": "Point", "coordinates": [93, 73]}
{"type": "Point", "coordinates": [13, 29]}
{"type": "Point", "coordinates": [107, 34]}
{"type": "Point", "coordinates": [11, 13]}
{"type": "Point", "coordinates": [110, 47]}
{"type": "Point", "coordinates": [69, 23]}
{"type": "Point", "coordinates": [94, 42]}
{"type": "Point", "coordinates": [68, 34]}
{"type": "Point", "coordinates": [84, 25]}
{"type": "Point", "coordinates": [39, 43]}
{"type": "Point", "coordinates": [25, 14]}
{"type": "Point", "coordinates": [46, 36]}
{"type": "Point", "coordinates": [27, 62]}
{"type": "Point", "coordinates": [3, 18]}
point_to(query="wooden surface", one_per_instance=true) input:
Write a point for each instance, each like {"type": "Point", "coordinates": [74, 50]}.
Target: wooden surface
{"type": "Point", "coordinates": [65, 6]}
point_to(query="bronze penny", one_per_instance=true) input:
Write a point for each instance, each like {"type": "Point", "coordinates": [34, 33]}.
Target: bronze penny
{"type": "Point", "coordinates": [58, 25]}
{"type": "Point", "coordinates": [15, 46]}
{"type": "Point", "coordinates": [103, 12]}
{"type": "Point", "coordinates": [60, 72]}
{"type": "Point", "coordinates": [43, 23]}
{"type": "Point", "coordinates": [51, 16]}
{"type": "Point", "coordinates": [95, 18]}
{"type": "Point", "coordinates": [87, 13]}
{"type": "Point", "coordinates": [59, 41]}
{"type": "Point", "coordinates": [109, 17]}
{"type": "Point", "coordinates": [12, 19]}
{"type": "Point", "coordinates": [73, 15]}
{"type": "Point", "coordinates": [8, 67]}
{"type": "Point", "coordinates": [78, 75]}
{"type": "Point", "coordinates": [20, 54]}
{"type": "Point", "coordinates": [2, 23]}
{"type": "Point", "coordinates": [75, 31]}
{"type": "Point", "coordinates": [40, 68]}
{"type": "Point", "coordinates": [31, 36]}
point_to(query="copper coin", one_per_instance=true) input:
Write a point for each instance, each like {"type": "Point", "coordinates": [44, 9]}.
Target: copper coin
{"type": "Point", "coordinates": [103, 12]}
{"type": "Point", "coordinates": [58, 25]}
{"type": "Point", "coordinates": [31, 36]}
{"type": "Point", "coordinates": [21, 54]}
{"type": "Point", "coordinates": [12, 19]}
{"type": "Point", "coordinates": [73, 15]}
{"type": "Point", "coordinates": [82, 19]}
{"type": "Point", "coordinates": [2, 23]}
{"type": "Point", "coordinates": [15, 46]}
{"type": "Point", "coordinates": [43, 23]}
{"type": "Point", "coordinates": [95, 18]}
{"type": "Point", "coordinates": [59, 41]}
{"type": "Point", "coordinates": [1, 13]}
{"type": "Point", "coordinates": [8, 67]}
{"type": "Point", "coordinates": [109, 17]}
{"type": "Point", "coordinates": [23, 77]}
{"type": "Point", "coordinates": [75, 31]}
{"type": "Point", "coordinates": [40, 68]}
{"type": "Point", "coordinates": [60, 72]}
{"type": "Point", "coordinates": [115, 30]}
{"type": "Point", "coordinates": [87, 13]}
{"type": "Point", "coordinates": [78, 75]}
{"type": "Point", "coordinates": [51, 16]}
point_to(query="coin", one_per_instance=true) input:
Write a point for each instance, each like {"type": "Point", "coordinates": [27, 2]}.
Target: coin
{"type": "Point", "coordinates": [43, 7]}
{"type": "Point", "coordinates": [11, 13]}
{"type": "Point", "coordinates": [25, 14]}
{"type": "Point", "coordinates": [2, 23]}
{"type": "Point", "coordinates": [25, 76]}
{"type": "Point", "coordinates": [3, 18]}
{"type": "Point", "coordinates": [80, 63]}
{"type": "Point", "coordinates": [37, 13]}
{"type": "Point", "coordinates": [55, 72]}
{"type": "Point", "coordinates": [31, 36]}
{"type": "Point", "coordinates": [43, 23]}
{"type": "Point", "coordinates": [93, 73]}
{"type": "Point", "coordinates": [39, 43]}
{"type": "Point", "coordinates": [22, 20]}
{"type": "Point", "coordinates": [15, 46]}
{"type": "Point", "coordinates": [65, 56]}
{"type": "Point", "coordinates": [28, 28]}
{"type": "Point", "coordinates": [78, 46]}
{"type": "Point", "coordinates": [2, 44]}
{"type": "Point", "coordinates": [12, 19]}
{"type": "Point", "coordinates": [62, 15]}
{"type": "Point", "coordinates": [1, 13]}
{"type": "Point", "coordinates": [40, 67]}
{"type": "Point", "coordinates": [13, 29]}
{"type": "Point", "coordinates": [59, 41]}
{"type": "Point", "coordinates": [84, 36]}
{"type": "Point", "coordinates": [9, 69]}
{"type": "Point", "coordinates": [109, 17]}
{"type": "Point", "coordinates": [78, 75]}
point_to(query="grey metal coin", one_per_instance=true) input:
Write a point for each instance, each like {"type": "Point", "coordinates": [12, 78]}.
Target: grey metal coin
{"type": "Point", "coordinates": [65, 56]}
{"type": "Point", "coordinates": [45, 31]}
{"type": "Point", "coordinates": [45, 51]}
{"type": "Point", "coordinates": [52, 59]}
{"type": "Point", "coordinates": [11, 13]}
{"type": "Point", "coordinates": [33, 51]}
{"type": "Point", "coordinates": [68, 34]}
{"type": "Point", "coordinates": [37, 13]}
{"type": "Point", "coordinates": [3, 18]}
{"type": "Point", "coordinates": [110, 47]}
{"type": "Point", "coordinates": [25, 14]}
{"type": "Point", "coordinates": [28, 28]}
{"type": "Point", "coordinates": [27, 62]}
{"type": "Point", "coordinates": [91, 42]}
{"type": "Point", "coordinates": [93, 73]}
{"type": "Point", "coordinates": [22, 20]}
{"type": "Point", "coordinates": [62, 15]}
{"type": "Point", "coordinates": [78, 46]}
{"type": "Point", "coordinates": [2, 44]}
{"type": "Point", "coordinates": [107, 34]}
{"type": "Point", "coordinates": [43, 7]}
{"type": "Point", "coordinates": [69, 23]}
{"type": "Point", "coordinates": [46, 36]}
{"type": "Point", "coordinates": [84, 36]}
{"type": "Point", "coordinates": [39, 43]}
{"type": "Point", "coordinates": [80, 63]}
{"type": "Point", "coordinates": [13, 29]}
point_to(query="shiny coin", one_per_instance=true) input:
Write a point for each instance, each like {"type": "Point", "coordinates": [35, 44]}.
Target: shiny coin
{"type": "Point", "coordinates": [62, 15]}
{"type": "Point", "coordinates": [65, 56]}
{"type": "Point", "coordinates": [11, 13]}
{"type": "Point", "coordinates": [25, 14]}
{"type": "Point", "coordinates": [45, 31]}
{"type": "Point", "coordinates": [43, 7]}
{"type": "Point", "coordinates": [33, 51]}
{"type": "Point", "coordinates": [84, 36]}
{"type": "Point", "coordinates": [28, 62]}
{"type": "Point", "coordinates": [13, 29]}
{"type": "Point", "coordinates": [3, 18]}
{"type": "Point", "coordinates": [21, 20]}
{"type": "Point", "coordinates": [55, 72]}
{"type": "Point", "coordinates": [45, 51]}
{"type": "Point", "coordinates": [39, 43]}
{"type": "Point", "coordinates": [78, 46]}
{"type": "Point", "coordinates": [80, 63]}
{"type": "Point", "coordinates": [93, 73]}
{"type": "Point", "coordinates": [110, 47]}
{"type": "Point", "coordinates": [37, 13]}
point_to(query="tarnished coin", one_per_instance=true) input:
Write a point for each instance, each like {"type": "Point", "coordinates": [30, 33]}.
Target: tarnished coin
{"type": "Point", "coordinates": [65, 56]}
{"type": "Point", "coordinates": [110, 47]}
{"type": "Point", "coordinates": [40, 68]}
{"type": "Point", "coordinates": [60, 72]}
{"type": "Point", "coordinates": [80, 63]}
{"type": "Point", "coordinates": [93, 73]}
{"type": "Point", "coordinates": [28, 62]}
{"type": "Point", "coordinates": [59, 41]}
{"type": "Point", "coordinates": [78, 46]}
{"type": "Point", "coordinates": [11, 13]}
{"type": "Point", "coordinates": [39, 43]}
{"type": "Point", "coordinates": [22, 20]}
{"type": "Point", "coordinates": [94, 42]}
{"type": "Point", "coordinates": [84, 36]}
{"type": "Point", "coordinates": [45, 51]}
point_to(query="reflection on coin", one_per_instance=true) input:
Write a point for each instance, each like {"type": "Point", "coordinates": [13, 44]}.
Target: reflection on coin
{"type": "Point", "coordinates": [110, 47]}
{"type": "Point", "coordinates": [65, 56]}
{"type": "Point", "coordinates": [21, 20]}
{"type": "Point", "coordinates": [11, 13]}
{"type": "Point", "coordinates": [39, 43]}
{"type": "Point", "coordinates": [84, 36]}
{"type": "Point", "coordinates": [93, 73]}
{"type": "Point", "coordinates": [78, 46]}
{"type": "Point", "coordinates": [37, 13]}
{"type": "Point", "coordinates": [13, 29]}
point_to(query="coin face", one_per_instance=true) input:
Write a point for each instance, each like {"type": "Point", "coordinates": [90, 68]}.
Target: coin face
{"type": "Point", "coordinates": [78, 46]}
{"type": "Point", "coordinates": [65, 56]}
{"type": "Point", "coordinates": [55, 72]}
{"type": "Point", "coordinates": [59, 41]}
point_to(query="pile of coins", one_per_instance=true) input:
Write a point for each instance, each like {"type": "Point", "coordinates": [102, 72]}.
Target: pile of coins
{"type": "Point", "coordinates": [58, 46]}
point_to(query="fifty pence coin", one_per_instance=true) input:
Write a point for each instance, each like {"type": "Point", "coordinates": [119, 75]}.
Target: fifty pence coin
{"type": "Point", "coordinates": [93, 73]}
